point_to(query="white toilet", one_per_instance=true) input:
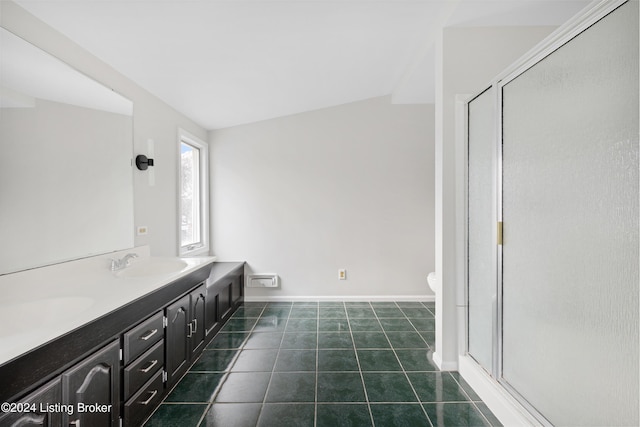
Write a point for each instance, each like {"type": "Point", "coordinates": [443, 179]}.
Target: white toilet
{"type": "Point", "coordinates": [432, 281]}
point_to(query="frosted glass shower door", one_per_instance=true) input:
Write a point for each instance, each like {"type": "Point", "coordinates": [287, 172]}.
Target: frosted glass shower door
{"type": "Point", "coordinates": [481, 214]}
{"type": "Point", "coordinates": [570, 209]}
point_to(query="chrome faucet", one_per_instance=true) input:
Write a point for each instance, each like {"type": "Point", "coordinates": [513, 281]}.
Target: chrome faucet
{"type": "Point", "coordinates": [119, 264]}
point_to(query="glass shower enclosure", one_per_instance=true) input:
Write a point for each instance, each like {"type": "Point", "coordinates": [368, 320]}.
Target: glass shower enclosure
{"type": "Point", "coordinates": [553, 225]}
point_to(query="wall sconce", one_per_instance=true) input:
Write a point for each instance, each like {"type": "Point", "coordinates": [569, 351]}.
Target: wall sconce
{"type": "Point", "coordinates": [142, 162]}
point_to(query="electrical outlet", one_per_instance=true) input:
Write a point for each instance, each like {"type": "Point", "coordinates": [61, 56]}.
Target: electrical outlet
{"type": "Point", "coordinates": [142, 230]}
{"type": "Point", "coordinates": [342, 274]}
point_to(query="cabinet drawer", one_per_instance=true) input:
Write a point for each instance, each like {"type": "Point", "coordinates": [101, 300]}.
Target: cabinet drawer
{"type": "Point", "coordinates": [142, 337]}
{"type": "Point", "coordinates": [143, 368]}
{"type": "Point", "coordinates": [144, 402]}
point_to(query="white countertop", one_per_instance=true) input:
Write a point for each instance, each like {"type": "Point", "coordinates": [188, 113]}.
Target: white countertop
{"type": "Point", "coordinates": [42, 304]}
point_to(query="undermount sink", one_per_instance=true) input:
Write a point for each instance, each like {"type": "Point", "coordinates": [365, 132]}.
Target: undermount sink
{"type": "Point", "coordinates": [36, 313]}
{"type": "Point", "coordinates": [152, 267]}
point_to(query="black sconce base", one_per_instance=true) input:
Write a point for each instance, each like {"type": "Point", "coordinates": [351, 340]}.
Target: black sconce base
{"type": "Point", "coordinates": [142, 162]}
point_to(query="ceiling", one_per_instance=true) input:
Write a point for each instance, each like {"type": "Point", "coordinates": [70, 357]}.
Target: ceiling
{"type": "Point", "coordinates": [229, 62]}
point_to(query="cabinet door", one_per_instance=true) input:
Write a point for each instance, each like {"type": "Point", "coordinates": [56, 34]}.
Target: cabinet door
{"type": "Point", "coordinates": [197, 331]}
{"type": "Point", "coordinates": [177, 340]}
{"type": "Point", "coordinates": [211, 310]}
{"type": "Point", "coordinates": [45, 395]}
{"type": "Point", "coordinates": [92, 389]}
{"type": "Point", "coordinates": [224, 301]}
{"type": "Point", "coordinates": [236, 289]}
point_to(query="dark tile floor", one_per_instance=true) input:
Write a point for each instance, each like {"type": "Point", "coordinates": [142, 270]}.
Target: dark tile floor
{"type": "Point", "coordinates": [323, 364]}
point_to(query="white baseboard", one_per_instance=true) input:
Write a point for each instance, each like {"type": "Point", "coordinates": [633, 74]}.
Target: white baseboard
{"type": "Point", "coordinates": [504, 406]}
{"type": "Point", "coordinates": [442, 365]}
{"type": "Point", "coordinates": [420, 298]}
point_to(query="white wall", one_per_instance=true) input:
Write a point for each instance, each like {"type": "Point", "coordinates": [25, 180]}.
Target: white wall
{"type": "Point", "coordinates": [467, 60]}
{"type": "Point", "coordinates": [344, 187]}
{"type": "Point", "coordinates": [155, 207]}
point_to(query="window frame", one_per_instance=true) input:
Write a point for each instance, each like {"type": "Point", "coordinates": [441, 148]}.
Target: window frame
{"type": "Point", "coordinates": [202, 247]}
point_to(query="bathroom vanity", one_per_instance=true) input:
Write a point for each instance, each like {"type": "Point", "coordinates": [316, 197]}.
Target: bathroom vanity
{"type": "Point", "coordinates": [116, 360]}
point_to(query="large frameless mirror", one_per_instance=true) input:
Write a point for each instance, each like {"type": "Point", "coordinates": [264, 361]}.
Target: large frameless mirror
{"type": "Point", "coordinates": [66, 189]}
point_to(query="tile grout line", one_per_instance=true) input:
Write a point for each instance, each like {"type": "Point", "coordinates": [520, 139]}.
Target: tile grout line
{"type": "Point", "coordinates": [266, 392]}
{"type": "Point", "coordinates": [355, 351]}
{"type": "Point", "coordinates": [424, 411]}
{"type": "Point", "coordinates": [208, 403]}
{"type": "Point", "coordinates": [240, 347]}
{"type": "Point", "coordinates": [473, 401]}
{"type": "Point", "coordinates": [233, 361]}
{"type": "Point", "coordinates": [416, 329]}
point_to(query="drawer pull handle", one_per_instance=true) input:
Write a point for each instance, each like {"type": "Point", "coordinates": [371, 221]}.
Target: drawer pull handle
{"type": "Point", "coordinates": [148, 368]}
{"type": "Point", "coordinates": [149, 335]}
{"type": "Point", "coordinates": [153, 394]}
{"type": "Point", "coordinates": [75, 423]}
{"type": "Point", "coordinates": [195, 325]}
{"type": "Point", "coordinates": [190, 330]}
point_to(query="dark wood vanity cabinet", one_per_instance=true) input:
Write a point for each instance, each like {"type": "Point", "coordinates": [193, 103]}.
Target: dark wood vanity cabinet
{"type": "Point", "coordinates": [92, 389]}
{"type": "Point", "coordinates": [141, 370]}
{"type": "Point", "coordinates": [117, 369]}
{"type": "Point", "coordinates": [198, 331]}
{"type": "Point", "coordinates": [140, 338]}
{"type": "Point", "coordinates": [185, 334]}
{"type": "Point", "coordinates": [231, 293]}
{"type": "Point", "coordinates": [143, 403]}
{"type": "Point", "coordinates": [237, 290]}
{"type": "Point", "coordinates": [143, 360]}
{"type": "Point", "coordinates": [177, 340]}
{"type": "Point", "coordinates": [36, 412]}
{"type": "Point", "coordinates": [225, 291]}
{"type": "Point", "coordinates": [88, 394]}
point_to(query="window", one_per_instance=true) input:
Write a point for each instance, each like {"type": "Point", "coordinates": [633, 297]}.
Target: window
{"type": "Point", "coordinates": [193, 194]}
